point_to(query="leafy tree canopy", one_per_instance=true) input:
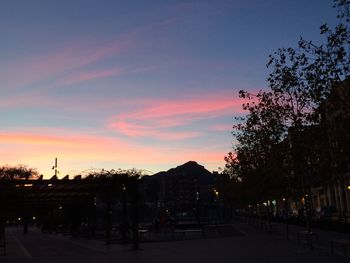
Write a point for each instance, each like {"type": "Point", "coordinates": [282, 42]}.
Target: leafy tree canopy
{"type": "Point", "coordinates": [300, 80]}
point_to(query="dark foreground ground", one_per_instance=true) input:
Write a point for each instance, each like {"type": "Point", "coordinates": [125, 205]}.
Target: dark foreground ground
{"type": "Point", "coordinates": [250, 244]}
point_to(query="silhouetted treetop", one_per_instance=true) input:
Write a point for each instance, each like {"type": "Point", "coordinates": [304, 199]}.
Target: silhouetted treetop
{"type": "Point", "coordinates": [19, 172]}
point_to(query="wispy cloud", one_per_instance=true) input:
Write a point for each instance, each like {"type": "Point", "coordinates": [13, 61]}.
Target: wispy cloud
{"type": "Point", "coordinates": [159, 119]}
{"type": "Point", "coordinates": [61, 64]}
{"type": "Point", "coordinates": [221, 127]}
{"type": "Point", "coordinates": [89, 75]}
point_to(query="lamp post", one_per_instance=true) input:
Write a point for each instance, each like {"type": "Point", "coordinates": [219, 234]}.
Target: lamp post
{"type": "Point", "coordinates": [198, 208]}
{"type": "Point", "coordinates": [286, 209]}
{"type": "Point", "coordinates": [124, 211]}
{"type": "Point", "coordinates": [216, 200]}
{"type": "Point", "coordinates": [344, 199]}
{"type": "Point", "coordinates": [307, 211]}
{"type": "Point", "coordinates": [135, 215]}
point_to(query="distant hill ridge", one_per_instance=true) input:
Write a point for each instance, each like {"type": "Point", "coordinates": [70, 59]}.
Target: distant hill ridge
{"type": "Point", "coordinates": [190, 168]}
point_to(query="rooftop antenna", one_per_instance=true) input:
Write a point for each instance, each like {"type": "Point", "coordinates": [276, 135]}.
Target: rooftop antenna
{"type": "Point", "coordinates": [55, 167]}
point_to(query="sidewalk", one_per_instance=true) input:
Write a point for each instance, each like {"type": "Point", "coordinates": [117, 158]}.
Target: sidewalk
{"type": "Point", "coordinates": [321, 241]}
{"type": "Point", "coordinates": [253, 245]}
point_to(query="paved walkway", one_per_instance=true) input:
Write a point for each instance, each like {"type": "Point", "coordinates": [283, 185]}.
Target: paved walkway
{"type": "Point", "coordinates": [254, 245]}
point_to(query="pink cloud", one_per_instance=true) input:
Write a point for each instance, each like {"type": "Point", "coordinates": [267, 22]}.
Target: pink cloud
{"type": "Point", "coordinates": [136, 130]}
{"type": "Point", "coordinates": [158, 118]}
{"type": "Point", "coordinates": [43, 139]}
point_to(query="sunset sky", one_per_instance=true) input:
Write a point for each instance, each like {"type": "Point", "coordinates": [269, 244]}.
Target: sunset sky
{"type": "Point", "coordinates": [135, 84]}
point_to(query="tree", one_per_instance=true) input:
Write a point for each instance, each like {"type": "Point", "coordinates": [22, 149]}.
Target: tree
{"type": "Point", "coordinates": [299, 83]}
{"type": "Point", "coordinates": [19, 172]}
{"type": "Point", "coordinates": [9, 197]}
{"type": "Point", "coordinates": [254, 165]}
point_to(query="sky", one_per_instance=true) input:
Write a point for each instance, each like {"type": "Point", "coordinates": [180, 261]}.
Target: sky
{"type": "Point", "coordinates": [136, 84]}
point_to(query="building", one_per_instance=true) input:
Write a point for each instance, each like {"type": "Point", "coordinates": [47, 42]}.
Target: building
{"type": "Point", "coordinates": [336, 123]}
{"type": "Point", "coordinates": [187, 191]}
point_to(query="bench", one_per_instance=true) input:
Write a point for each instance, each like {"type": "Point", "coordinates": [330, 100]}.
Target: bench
{"type": "Point", "coordinates": [184, 232]}
{"type": "Point", "coordinates": [190, 229]}
{"type": "Point", "coordinates": [340, 242]}
{"type": "Point", "coordinates": [144, 234]}
{"type": "Point", "coordinates": [114, 230]}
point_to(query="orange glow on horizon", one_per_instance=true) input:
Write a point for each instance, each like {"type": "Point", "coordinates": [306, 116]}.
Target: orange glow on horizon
{"type": "Point", "coordinates": [83, 152]}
